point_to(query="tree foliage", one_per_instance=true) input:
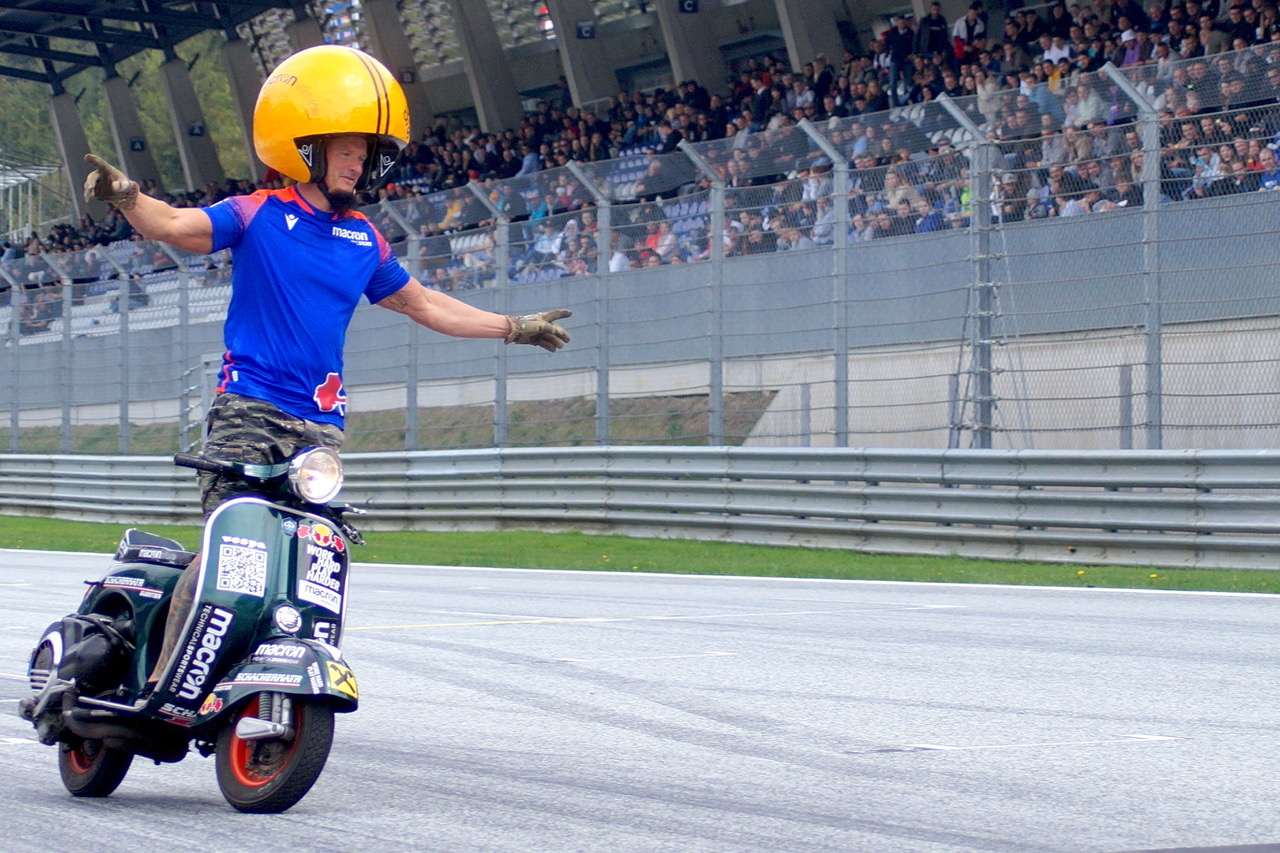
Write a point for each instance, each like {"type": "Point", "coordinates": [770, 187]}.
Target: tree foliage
{"type": "Point", "coordinates": [26, 133]}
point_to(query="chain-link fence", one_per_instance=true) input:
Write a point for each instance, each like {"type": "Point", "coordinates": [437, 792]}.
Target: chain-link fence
{"type": "Point", "coordinates": [1074, 263]}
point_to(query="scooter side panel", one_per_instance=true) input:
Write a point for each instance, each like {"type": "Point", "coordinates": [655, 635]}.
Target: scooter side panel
{"type": "Point", "coordinates": [146, 588]}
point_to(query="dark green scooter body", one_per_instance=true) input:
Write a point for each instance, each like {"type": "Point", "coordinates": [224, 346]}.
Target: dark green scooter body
{"type": "Point", "coordinates": [256, 674]}
{"type": "Point", "coordinates": [269, 574]}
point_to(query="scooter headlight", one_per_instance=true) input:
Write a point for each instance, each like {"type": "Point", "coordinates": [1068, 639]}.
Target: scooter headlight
{"type": "Point", "coordinates": [315, 475]}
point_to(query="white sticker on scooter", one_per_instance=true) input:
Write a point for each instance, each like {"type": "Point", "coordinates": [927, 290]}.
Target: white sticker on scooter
{"type": "Point", "coordinates": [242, 566]}
{"type": "Point", "coordinates": [322, 584]}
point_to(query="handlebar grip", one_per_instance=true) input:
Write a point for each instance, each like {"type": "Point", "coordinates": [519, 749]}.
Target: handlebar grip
{"type": "Point", "coordinates": [186, 460]}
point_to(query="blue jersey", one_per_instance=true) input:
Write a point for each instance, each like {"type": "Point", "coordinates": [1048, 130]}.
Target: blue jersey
{"type": "Point", "coordinates": [297, 277]}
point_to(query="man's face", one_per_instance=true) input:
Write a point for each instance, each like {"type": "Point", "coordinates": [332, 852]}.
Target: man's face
{"type": "Point", "coordinates": [345, 157]}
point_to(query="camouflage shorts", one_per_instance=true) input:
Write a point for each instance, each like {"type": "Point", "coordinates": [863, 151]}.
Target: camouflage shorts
{"type": "Point", "coordinates": [247, 430]}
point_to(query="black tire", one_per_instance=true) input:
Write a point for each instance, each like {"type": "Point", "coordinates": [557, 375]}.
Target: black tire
{"type": "Point", "coordinates": [90, 769]}
{"type": "Point", "coordinates": [270, 776]}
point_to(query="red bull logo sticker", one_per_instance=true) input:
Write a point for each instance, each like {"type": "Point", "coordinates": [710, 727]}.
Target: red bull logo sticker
{"type": "Point", "coordinates": [323, 535]}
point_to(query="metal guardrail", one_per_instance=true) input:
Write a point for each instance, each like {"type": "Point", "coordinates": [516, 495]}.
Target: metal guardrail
{"type": "Point", "coordinates": [1176, 509]}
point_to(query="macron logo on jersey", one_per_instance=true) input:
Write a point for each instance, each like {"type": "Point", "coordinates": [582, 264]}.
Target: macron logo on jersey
{"type": "Point", "coordinates": [290, 220]}
{"type": "Point", "coordinates": [360, 238]}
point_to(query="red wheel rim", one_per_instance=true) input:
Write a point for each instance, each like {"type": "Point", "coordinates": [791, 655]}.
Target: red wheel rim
{"type": "Point", "coordinates": [80, 761]}
{"type": "Point", "coordinates": [258, 762]}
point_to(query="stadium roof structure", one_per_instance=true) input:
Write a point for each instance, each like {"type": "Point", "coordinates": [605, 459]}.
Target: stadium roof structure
{"type": "Point", "coordinates": [20, 174]}
{"type": "Point", "coordinates": [49, 41]}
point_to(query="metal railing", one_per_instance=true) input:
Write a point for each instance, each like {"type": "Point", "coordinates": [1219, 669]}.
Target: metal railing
{"type": "Point", "coordinates": [1176, 509]}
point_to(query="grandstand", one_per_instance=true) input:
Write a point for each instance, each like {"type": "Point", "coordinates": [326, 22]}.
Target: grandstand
{"type": "Point", "coordinates": [994, 168]}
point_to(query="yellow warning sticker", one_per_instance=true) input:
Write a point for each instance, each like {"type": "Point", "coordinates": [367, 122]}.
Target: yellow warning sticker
{"type": "Point", "coordinates": [341, 678]}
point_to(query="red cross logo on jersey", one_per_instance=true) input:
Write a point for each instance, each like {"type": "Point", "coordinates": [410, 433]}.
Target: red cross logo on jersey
{"type": "Point", "coordinates": [329, 396]}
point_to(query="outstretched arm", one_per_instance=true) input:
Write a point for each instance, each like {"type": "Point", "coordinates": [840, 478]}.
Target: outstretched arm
{"type": "Point", "coordinates": [442, 313]}
{"type": "Point", "coordinates": [186, 228]}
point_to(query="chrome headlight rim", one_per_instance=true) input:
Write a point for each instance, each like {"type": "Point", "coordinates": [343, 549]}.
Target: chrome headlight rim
{"type": "Point", "coordinates": [315, 474]}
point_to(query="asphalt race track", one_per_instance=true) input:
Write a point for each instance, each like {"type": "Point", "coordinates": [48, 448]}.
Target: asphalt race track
{"type": "Point", "coordinates": [558, 711]}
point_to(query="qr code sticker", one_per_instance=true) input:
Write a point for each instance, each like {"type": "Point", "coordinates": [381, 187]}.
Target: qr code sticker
{"type": "Point", "coordinates": [242, 570]}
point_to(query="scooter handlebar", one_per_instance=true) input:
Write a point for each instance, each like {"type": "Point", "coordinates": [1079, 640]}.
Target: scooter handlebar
{"type": "Point", "coordinates": [186, 460]}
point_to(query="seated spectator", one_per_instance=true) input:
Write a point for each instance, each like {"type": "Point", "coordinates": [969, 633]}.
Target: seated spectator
{"type": "Point", "coordinates": [35, 315]}
{"type": "Point", "coordinates": [823, 230]}
{"type": "Point", "coordinates": [928, 218]}
{"type": "Point", "coordinates": [791, 239]}
{"type": "Point", "coordinates": [667, 243]}
{"type": "Point", "coordinates": [1269, 174]}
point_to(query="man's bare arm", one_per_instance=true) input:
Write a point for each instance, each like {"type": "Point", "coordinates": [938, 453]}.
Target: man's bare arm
{"type": "Point", "coordinates": [442, 313]}
{"type": "Point", "coordinates": [186, 228]}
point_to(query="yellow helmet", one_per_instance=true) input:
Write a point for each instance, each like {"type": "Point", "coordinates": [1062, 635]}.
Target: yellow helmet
{"type": "Point", "coordinates": [328, 91]}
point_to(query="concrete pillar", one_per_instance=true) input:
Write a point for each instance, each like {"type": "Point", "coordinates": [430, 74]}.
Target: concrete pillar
{"type": "Point", "coordinates": [304, 33]}
{"type": "Point", "coordinates": [810, 29]}
{"type": "Point", "coordinates": [390, 44]}
{"type": "Point", "coordinates": [200, 163]}
{"type": "Point", "coordinates": [691, 44]}
{"type": "Point", "coordinates": [69, 131]}
{"type": "Point", "coordinates": [585, 62]}
{"type": "Point", "coordinates": [493, 86]}
{"type": "Point", "coordinates": [133, 152]}
{"type": "Point", "coordinates": [244, 75]}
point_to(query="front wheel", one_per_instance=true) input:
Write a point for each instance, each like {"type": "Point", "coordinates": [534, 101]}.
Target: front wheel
{"type": "Point", "coordinates": [269, 776]}
{"type": "Point", "coordinates": [91, 769]}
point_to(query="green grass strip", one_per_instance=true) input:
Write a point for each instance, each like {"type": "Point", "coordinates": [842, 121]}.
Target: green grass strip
{"type": "Point", "coordinates": [518, 549]}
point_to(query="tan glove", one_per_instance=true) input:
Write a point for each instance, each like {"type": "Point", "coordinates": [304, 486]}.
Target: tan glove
{"type": "Point", "coordinates": [540, 329]}
{"type": "Point", "coordinates": [109, 184]}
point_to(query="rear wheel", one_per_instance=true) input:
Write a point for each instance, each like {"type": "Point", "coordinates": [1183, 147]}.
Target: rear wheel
{"type": "Point", "coordinates": [269, 776]}
{"type": "Point", "coordinates": [90, 769]}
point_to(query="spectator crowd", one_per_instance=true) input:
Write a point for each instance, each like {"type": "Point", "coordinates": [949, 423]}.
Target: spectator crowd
{"type": "Point", "coordinates": [1067, 137]}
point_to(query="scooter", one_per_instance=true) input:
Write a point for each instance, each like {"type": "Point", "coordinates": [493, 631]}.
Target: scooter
{"type": "Point", "coordinates": [257, 674]}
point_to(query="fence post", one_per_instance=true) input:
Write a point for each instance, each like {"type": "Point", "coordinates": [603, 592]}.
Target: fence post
{"type": "Point", "coordinates": [122, 303]}
{"type": "Point", "coordinates": [185, 285]}
{"type": "Point", "coordinates": [604, 251]}
{"type": "Point", "coordinates": [414, 240]}
{"type": "Point", "coordinates": [981, 310]}
{"type": "Point", "coordinates": [65, 371]}
{"type": "Point", "coordinates": [501, 252]}
{"type": "Point", "coordinates": [715, 301]}
{"type": "Point", "coordinates": [15, 310]}
{"type": "Point", "coordinates": [1153, 299]}
{"type": "Point", "coordinates": [840, 281]}
{"type": "Point", "coordinates": [1126, 407]}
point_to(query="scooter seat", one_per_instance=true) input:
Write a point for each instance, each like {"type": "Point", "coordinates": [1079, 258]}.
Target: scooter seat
{"type": "Point", "coordinates": [138, 546]}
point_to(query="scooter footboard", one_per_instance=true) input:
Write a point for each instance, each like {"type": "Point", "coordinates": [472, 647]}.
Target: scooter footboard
{"type": "Point", "coordinates": [295, 666]}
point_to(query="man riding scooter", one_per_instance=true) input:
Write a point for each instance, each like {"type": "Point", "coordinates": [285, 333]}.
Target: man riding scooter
{"type": "Point", "coordinates": [333, 121]}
